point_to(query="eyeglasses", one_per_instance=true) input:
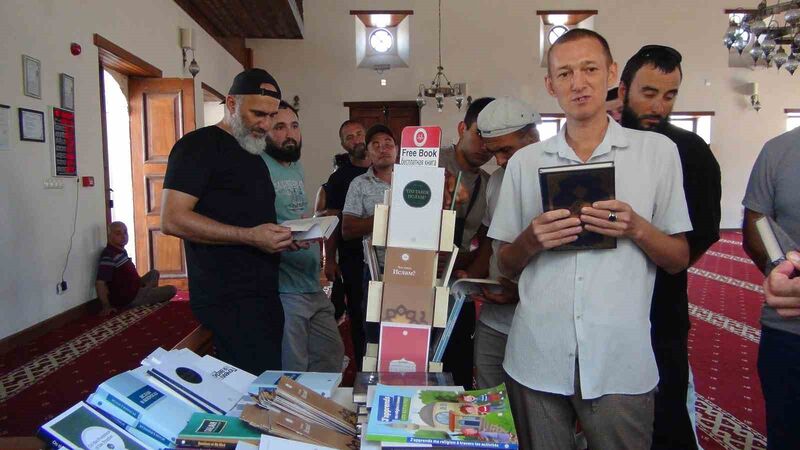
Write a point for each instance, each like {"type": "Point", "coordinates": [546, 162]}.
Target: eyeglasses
{"type": "Point", "coordinates": [653, 50]}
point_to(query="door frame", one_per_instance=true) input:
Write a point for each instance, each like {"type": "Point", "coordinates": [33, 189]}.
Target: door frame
{"type": "Point", "coordinates": [112, 56]}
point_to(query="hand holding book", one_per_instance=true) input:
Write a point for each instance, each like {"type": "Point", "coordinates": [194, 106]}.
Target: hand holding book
{"type": "Point", "coordinates": [553, 229]}
{"type": "Point", "coordinates": [610, 218]}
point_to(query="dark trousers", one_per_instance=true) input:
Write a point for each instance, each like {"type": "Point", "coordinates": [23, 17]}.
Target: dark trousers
{"type": "Point", "coordinates": [672, 428]}
{"type": "Point", "coordinates": [352, 267]}
{"type": "Point", "coordinates": [247, 332]}
{"type": "Point", "coordinates": [458, 356]}
{"type": "Point", "coordinates": [779, 370]}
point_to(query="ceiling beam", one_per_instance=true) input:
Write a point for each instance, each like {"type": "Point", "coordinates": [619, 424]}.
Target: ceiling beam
{"type": "Point", "coordinates": [234, 46]}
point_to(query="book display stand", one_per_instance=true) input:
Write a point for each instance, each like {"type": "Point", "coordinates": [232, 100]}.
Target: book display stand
{"type": "Point", "coordinates": [412, 228]}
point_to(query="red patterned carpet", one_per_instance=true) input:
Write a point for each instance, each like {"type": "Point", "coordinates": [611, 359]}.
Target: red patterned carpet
{"type": "Point", "coordinates": [725, 298]}
{"type": "Point", "coordinates": [50, 374]}
{"type": "Point", "coordinates": [59, 369]}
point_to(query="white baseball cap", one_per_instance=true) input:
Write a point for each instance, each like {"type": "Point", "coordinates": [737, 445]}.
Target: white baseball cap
{"type": "Point", "coordinates": [506, 115]}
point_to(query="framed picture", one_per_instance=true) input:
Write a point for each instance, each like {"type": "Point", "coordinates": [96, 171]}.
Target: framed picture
{"type": "Point", "coordinates": [31, 77]}
{"type": "Point", "coordinates": [66, 86]}
{"type": "Point", "coordinates": [31, 125]}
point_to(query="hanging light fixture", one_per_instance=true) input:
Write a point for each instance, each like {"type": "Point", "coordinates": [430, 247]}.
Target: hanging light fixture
{"type": "Point", "coordinates": [770, 41]}
{"type": "Point", "coordinates": [440, 88]}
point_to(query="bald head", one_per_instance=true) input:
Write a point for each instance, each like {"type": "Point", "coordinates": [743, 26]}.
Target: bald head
{"type": "Point", "coordinates": [118, 234]}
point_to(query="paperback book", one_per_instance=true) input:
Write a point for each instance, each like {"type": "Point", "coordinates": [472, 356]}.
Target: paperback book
{"type": "Point", "coordinates": [475, 419]}
{"type": "Point", "coordinates": [82, 427]}
{"type": "Point", "coordinates": [312, 228]}
{"type": "Point", "coordinates": [215, 431]}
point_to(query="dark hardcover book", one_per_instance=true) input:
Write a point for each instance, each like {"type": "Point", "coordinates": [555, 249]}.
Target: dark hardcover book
{"type": "Point", "coordinates": [573, 187]}
{"type": "Point", "coordinates": [366, 379]}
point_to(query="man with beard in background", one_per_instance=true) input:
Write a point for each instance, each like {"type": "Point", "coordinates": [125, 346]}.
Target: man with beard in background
{"type": "Point", "coordinates": [350, 264]}
{"type": "Point", "coordinates": [311, 340]}
{"type": "Point", "coordinates": [218, 197]}
{"type": "Point", "coordinates": [649, 87]}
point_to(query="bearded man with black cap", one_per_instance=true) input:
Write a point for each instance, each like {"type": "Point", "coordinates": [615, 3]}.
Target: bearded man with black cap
{"type": "Point", "coordinates": [649, 87]}
{"type": "Point", "coordinates": [219, 198]}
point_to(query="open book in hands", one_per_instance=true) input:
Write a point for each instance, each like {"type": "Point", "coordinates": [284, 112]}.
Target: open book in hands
{"type": "Point", "coordinates": [312, 228]}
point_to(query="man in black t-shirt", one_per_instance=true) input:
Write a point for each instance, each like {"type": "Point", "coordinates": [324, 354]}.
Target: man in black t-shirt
{"type": "Point", "coordinates": [218, 197]}
{"type": "Point", "coordinates": [649, 87]}
{"type": "Point", "coordinates": [351, 259]}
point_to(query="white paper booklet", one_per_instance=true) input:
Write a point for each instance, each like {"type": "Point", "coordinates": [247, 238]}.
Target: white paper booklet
{"type": "Point", "coordinates": [416, 212]}
{"type": "Point", "coordinates": [312, 228]}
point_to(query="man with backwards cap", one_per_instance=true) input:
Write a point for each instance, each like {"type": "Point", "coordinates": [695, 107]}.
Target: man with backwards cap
{"type": "Point", "coordinates": [218, 197]}
{"type": "Point", "coordinates": [506, 125]}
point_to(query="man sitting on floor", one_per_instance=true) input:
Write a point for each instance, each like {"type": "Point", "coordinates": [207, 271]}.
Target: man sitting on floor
{"type": "Point", "coordinates": [118, 283]}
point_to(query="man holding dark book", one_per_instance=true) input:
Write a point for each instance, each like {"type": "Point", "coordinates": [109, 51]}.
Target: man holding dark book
{"type": "Point", "coordinates": [649, 88]}
{"type": "Point", "coordinates": [579, 345]}
{"type": "Point", "coordinates": [506, 125]}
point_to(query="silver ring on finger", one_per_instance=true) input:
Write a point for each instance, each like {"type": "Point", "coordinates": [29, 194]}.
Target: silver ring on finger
{"type": "Point", "coordinates": [612, 216]}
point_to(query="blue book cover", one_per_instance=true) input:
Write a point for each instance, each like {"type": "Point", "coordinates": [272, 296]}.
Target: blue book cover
{"type": "Point", "coordinates": [128, 423]}
{"type": "Point", "coordinates": [322, 383]}
{"type": "Point", "coordinates": [139, 404]}
{"type": "Point", "coordinates": [470, 419]}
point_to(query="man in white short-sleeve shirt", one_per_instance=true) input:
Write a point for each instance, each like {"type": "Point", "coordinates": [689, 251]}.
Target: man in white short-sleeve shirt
{"type": "Point", "coordinates": [506, 125]}
{"type": "Point", "coordinates": [579, 346]}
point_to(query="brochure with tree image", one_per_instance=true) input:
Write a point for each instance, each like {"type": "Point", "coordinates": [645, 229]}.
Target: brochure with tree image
{"type": "Point", "coordinates": [473, 419]}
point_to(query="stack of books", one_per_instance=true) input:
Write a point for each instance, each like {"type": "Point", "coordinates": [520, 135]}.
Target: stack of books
{"type": "Point", "coordinates": [152, 404]}
{"type": "Point", "coordinates": [296, 412]}
{"type": "Point", "coordinates": [177, 399]}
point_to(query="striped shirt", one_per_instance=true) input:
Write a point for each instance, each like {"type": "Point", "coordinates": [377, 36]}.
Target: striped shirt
{"type": "Point", "coordinates": [116, 269]}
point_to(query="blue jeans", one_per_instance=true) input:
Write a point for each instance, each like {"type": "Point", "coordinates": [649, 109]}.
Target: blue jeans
{"type": "Point", "coordinates": [779, 369]}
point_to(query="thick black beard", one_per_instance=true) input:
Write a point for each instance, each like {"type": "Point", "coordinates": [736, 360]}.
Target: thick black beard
{"type": "Point", "coordinates": [289, 151]}
{"type": "Point", "coordinates": [631, 120]}
{"type": "Point", "coordinates": [359, 151]}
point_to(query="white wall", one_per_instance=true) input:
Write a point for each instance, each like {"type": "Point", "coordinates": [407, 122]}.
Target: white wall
{"type": "Point", "coordinates": [35, 224]}
{"type": "Point", "coordinates": [493, 46]}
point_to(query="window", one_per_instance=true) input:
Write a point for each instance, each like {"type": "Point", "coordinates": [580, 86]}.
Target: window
{"type": "Point", "coordinates": [556, 33]}
{"type": "Point", "coordinates": [550, 126]}
{"type": "Point", "coordinates": [380, 40]}
{"type": "Point", "coordinates": [792, 119]}
{"type": "Point", "coordinates": [696, 122]}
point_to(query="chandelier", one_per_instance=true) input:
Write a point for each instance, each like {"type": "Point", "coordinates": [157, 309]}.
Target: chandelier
{"type": "Point", "coordinates": [767, 37]}
{"type": "Point", "coordinates": [441, 87]}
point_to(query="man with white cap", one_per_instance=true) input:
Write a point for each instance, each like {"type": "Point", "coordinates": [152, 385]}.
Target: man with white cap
{"type": "Point", "coordinates": [506, 125]}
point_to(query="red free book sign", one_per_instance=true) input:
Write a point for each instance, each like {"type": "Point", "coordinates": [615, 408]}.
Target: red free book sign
{"type": "Point", "coordinates": [419, 146]}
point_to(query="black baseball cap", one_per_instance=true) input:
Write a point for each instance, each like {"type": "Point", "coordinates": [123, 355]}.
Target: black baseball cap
{"type": "Point", "coordinates": [378, 128]}
{"type": "Point", "coordinates": [249, 83]}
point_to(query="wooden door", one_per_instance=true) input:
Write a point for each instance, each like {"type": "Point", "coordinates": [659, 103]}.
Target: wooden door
{"type": "Point", "coordinates": [395, 115]}
{"type": "Point", "coordinates": [162, 110]}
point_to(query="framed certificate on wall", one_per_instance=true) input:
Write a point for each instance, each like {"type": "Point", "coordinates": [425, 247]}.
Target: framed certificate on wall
{"type": "Point", "coordinates": [66, 87]}
{"type": "Point", "coordinates": [31, 125]}
{"type": "Point", "coordinates": [31, 77]}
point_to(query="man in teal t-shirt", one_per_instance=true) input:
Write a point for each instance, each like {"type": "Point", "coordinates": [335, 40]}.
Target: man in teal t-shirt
{"type": "Point", "coordinates": [311, 340]}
